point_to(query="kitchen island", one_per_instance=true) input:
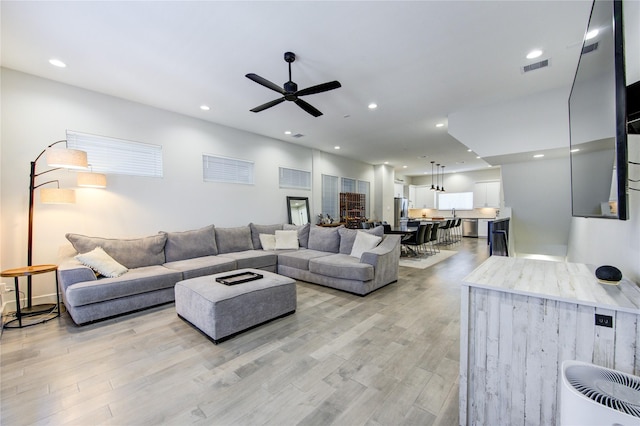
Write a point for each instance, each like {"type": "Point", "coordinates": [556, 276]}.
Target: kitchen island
{"type": "Point", "coordinates": [520, 319]}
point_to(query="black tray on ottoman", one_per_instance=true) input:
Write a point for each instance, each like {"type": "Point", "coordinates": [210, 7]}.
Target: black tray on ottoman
{"type": "Point", "coordinates": [242, 277]}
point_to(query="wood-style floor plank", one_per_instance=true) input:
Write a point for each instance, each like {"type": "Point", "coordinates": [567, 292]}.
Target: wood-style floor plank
{"type": "Point", "coordinates": [390, 358]}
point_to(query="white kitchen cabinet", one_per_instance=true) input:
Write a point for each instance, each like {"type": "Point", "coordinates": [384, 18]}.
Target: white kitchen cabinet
{"type": "Point", "coordinates": [425, 198]}
{"type": "Point", "coordinates": [486, 194]}
{"type": "Point", "coordinates": [412, 197]}
{"type": "Point", "coordinates": [398, 190]}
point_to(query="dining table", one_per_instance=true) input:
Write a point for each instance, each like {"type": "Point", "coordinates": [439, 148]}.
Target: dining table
{"type": "Point", "coordinates": [405, 233]}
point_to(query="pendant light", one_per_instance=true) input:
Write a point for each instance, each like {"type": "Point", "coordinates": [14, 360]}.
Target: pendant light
{"type": "Point", "coordinates": [438, 177]}
{"type": "Point", "coordinates": [433, 188]}
{"type": "Point", "coordinates": [442, 179]}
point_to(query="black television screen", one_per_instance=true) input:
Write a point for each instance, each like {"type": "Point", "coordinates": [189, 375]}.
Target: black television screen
{"type": "Point", "coordinates": [598, 119]}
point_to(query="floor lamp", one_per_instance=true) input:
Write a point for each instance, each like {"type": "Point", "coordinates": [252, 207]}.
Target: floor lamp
{"type": "Point", "coordinates": [58, 158]}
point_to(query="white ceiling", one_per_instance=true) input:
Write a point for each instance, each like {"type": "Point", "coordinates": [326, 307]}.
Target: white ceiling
{"type": "Point", "coordinates": [418, 60]}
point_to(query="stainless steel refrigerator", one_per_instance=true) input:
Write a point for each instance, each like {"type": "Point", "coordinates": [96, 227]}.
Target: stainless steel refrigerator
{"type": "Point", "coordinates": [400, 211]}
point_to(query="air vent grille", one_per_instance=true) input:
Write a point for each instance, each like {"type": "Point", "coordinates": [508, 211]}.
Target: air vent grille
{"type": "Point", "coordinates": [297, 135]}
{"type": "Point", "coordinates": [535, 66]}
{"type": "Point", "coordinates": [607, 387]}
{"type": "Point", "coordinates": [589, 48]}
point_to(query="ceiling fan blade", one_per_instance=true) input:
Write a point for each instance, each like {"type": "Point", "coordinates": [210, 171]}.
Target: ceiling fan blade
{"type": "Point", "coordinates": [266, 83]}
{"type": "Point", "coordinates": [319, 88]}
{"type": "Point", "coordinates": [267, 105]}
{"type": "Point", "coordinates": [307, 107]}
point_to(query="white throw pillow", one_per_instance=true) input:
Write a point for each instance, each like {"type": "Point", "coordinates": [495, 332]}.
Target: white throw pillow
{"type": "Point", "coordinates": [364, 242]}
{"type": "Point", "coordinates": [98, 260]}
{"type": "Point", "coordinates": [286, 240]}
{"type": "Point", "coordinates": [268, 241]}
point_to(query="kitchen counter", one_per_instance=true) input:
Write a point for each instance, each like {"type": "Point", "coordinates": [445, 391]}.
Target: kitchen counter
{"type": "Point", "coordinates": [521, 318]}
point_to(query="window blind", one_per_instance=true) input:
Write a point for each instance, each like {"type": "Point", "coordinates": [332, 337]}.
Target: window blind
{"type": "Point", "coordinates": [118, 156]}
{"type": "Point", "coordinates": [330, 196]}
{"type": "Point", "coordinates": [229, 170]}
{"type": "Point", "coordinates": [292, 178]}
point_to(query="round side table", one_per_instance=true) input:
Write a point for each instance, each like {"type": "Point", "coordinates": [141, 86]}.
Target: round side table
{"type": "Point", "coordinates": [32, 309]}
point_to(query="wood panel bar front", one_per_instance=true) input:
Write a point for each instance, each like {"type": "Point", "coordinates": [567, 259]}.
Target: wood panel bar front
{"type": "Point", "coordinates": [520, 319]}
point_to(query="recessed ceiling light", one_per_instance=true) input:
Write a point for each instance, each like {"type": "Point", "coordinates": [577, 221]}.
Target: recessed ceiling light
{"type": "Point", "coordinates": [386, 162]}
{"type": "Point", "coordinates": [373, 105]}
{"type": "Point", "coordinates": [538, 156]}
{"type": "Point", "coordinates": [440, 125]}
{"type": "Point", "coordinates": [478, 157]}
{"type": "Point", "coordinates": [57, 63]}
{"type": "Point", "coordinates": [469, 150]}
{"type": "Point", "coordinates": [205, 107]}
{"type": "Point", "coordinates": [591, 34]}
{"type": "Point", "coordinates": [336, 147]}
{"type": "Point", "coordinates": [404, 167]}
{"type": "Point", "coordinates": [575, 150]}
{"type": "Point", "coordinates": [536, 53]}
{"type": "Point", "coordinates": [288, 132]}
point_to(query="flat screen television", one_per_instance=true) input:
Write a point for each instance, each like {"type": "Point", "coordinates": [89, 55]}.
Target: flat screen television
{"type": "Point", "coordinates": [598, 118]}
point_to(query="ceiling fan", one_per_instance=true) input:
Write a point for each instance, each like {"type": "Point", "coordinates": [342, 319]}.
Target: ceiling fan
{"type": "Point", "coordinates": [290, 90]}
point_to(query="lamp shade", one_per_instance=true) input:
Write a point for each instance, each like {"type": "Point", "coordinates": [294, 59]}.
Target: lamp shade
{"type": "Point", "coordinates": [67, 158]}
{"type": "Point", "coordinates": [57, 196]}
{"type": "Point", "coordinates": [92, 180]}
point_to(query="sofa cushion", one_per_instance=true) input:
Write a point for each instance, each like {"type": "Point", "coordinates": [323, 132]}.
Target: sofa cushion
{"type": "Point", "coordinates": [268, 241]}
{"type": "Point", "coordinates": [325, 238]}
{"type": "Point", "coordinates": [303, 233]}
{"type": "Point", "coordinates": [256, 230]}
{"type": "Point", "coordinates": [348, 236]}
{"type": "Point", "coordinates": [201, 266]}
{"type": "Point", "coordinates": [299, 259]}
{"type": "Point", "coordinates": [364, 242]}
{"type": "Point", "coordinates": [230, 240]}
{"type": "Point", "coordinates": [253, 258]}
{"type": "Point", "coordinates": [136, 281]}
{"type": "Point", "coordinates": [190, 244]}
{"type": "Point", "coordinates": [131, 253]}
{"type": "Point", "coordinates": [341, 266]}
{"type": "Point", "coordinates": [102, 263]}
{"type": "Point", "coordinates": [287, 240]}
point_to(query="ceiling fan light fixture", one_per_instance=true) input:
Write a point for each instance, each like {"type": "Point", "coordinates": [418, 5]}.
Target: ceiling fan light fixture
{"type": "Point", "coordinates": [290, 91]}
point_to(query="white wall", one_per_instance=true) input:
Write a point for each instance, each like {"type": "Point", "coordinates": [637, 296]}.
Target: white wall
{"type": "Point", "coordinates": [36, 112]}
{"type": "Point", "coordinates": [539, 195]}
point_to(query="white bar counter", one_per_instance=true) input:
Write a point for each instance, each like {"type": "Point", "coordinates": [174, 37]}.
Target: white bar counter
{"type": "Point", "coordinates": [520, 319]}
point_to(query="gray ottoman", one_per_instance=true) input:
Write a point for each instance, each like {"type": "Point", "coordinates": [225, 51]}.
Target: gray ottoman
{"type": "Point", "coordinates": [221, 311]}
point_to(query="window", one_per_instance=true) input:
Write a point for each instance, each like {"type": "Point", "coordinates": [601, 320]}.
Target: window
{"type": "Point", "coordinates": [348, 185]}
{"type": "Point", "coordinates": [330, 196]}
{"type": "Point", "coordinates": [297, 179]}
{"type": "Point", "coordinates": [229, 170]}
{"type": "Point", "coordinates": [118, 156]}
{"type": "Point", "coordinates": [363, 188]}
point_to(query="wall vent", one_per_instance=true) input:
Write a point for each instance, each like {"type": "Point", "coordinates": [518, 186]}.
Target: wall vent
{"type": "Point", "coordinates": [589, 48]}
{"type": "Point", "coordinates": [535, 66]}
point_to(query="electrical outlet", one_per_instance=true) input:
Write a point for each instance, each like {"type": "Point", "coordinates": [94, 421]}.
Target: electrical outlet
{"type": "Point", "coordinates": [604, 320]}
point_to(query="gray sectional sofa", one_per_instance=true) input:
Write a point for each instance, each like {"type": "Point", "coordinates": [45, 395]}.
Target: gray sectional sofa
{"type": "Point", "coordinates": [327, 256]}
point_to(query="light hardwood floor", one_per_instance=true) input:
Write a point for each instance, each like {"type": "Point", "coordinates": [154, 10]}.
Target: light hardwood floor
{"type": "Point", "coordinates": [389, 358]}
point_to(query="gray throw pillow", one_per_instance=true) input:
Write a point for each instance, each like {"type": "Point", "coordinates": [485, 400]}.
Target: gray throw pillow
{"type": "Point", "coordinates": [325, 238]}
{"type": "Point", "coordinates": [303, 233]}
{"type": "Point", "coordinates": [256, 230]}
{"type": "Point", "coordinates": [348, 236]}
{"type": "Point", "coordinates": [132, 253]}
{"type": "Point", "coordinates": [190, 244]}
{"type": "Point", "coordinates": [231, 240]}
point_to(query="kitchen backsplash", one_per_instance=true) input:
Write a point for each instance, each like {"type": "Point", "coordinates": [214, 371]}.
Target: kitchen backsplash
{"type": "Point", "coordinates": [484, 213]}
